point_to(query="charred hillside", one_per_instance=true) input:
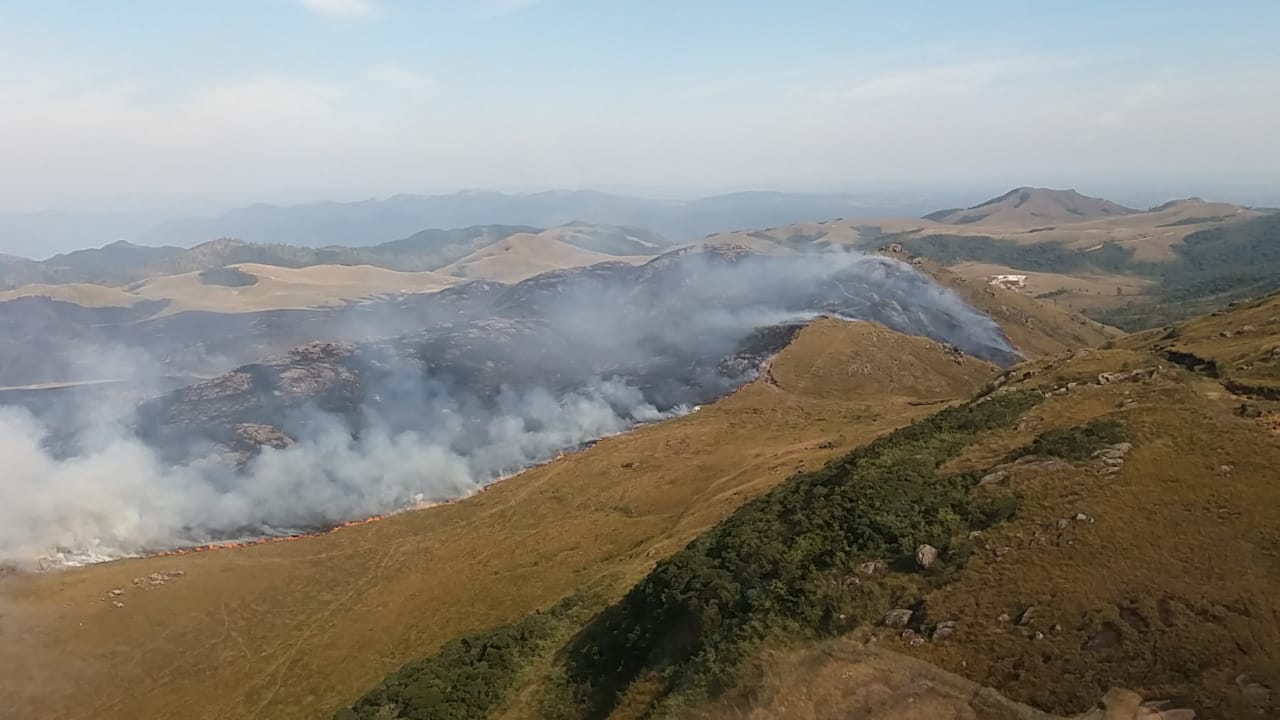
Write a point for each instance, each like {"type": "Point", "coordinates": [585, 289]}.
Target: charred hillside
{"type": "Point", "coordinates": [489, 380]}
{"type": "Point", "coordinates": [679, 331]}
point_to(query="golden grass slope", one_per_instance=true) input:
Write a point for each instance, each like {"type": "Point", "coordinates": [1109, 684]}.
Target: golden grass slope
{"type": "Point", "coordinates": [279, 287]}
{"type": "Point", "coordinates": [298, 629]}
{"type": "Point", "coordinates": [1151, 235]}
{"type": "Point", "coordinates": [276, 288]}
{"type": "Point", "coordinates": [83, 294]}
{"type": "Point", "coordinates": [1077, 292]}
{"type": "Point", "coordinates": [1161, 577]}
{"type": "Point", "coordinates": [1029, 207]}
{"type": "Point", "coordinates": [524, 255]}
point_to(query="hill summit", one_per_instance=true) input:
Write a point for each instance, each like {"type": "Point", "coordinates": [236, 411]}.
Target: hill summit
{"type": "Point", "coordinates": [1028, 206]}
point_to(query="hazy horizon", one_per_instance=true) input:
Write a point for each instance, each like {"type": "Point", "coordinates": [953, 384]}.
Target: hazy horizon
{"type": "Point", "coordinates": [290, 101]}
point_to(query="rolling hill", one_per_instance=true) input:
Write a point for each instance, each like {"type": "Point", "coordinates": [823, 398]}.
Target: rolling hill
{"type": "Point", "coordinates": [1022, 540]}
{"type": "Point", "coordinates": [122, 274]}
{"type": "Point", "coordinates": [1121, 266]}
{"type": "Point", "coordinates": [1028, 207]}
{"type": "Point", "coordinates": [318, 621]}
{"type": "Point", "coordinates": [524, 255]}
{"type": "Point", "coordinates": [296, 629]}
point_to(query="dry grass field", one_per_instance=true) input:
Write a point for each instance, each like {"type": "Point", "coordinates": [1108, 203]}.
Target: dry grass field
{"type": "Point", "coordinates": [296, 629]}
{"type": "Point", "coordinates": [524, 255]}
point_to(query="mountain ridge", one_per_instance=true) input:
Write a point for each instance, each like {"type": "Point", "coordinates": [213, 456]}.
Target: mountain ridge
{"type": "Point", "coordinates": [1029, 206]}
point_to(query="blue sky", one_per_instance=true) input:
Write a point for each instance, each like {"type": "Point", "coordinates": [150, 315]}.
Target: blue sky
{"type": "Point", "coordinates": [351, 98]}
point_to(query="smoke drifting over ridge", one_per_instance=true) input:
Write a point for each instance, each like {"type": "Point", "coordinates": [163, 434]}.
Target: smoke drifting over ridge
{"type": "Point", "coordinates": [333, 432]}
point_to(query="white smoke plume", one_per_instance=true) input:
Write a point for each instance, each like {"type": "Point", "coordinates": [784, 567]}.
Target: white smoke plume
{"type": "Point", "coordinates": [81, 486]}
{"type": "Point", "coordinates": [119, 498]}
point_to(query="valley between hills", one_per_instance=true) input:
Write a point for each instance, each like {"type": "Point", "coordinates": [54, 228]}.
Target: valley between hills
{"type": "Point", "coordinates": [1099, 511]}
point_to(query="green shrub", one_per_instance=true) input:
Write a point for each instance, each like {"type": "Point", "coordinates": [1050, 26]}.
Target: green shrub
{"type": "Point", "coordinates": [467, 678]}
{"type": "Point", "coordinates": [773, 564]}
{"type": "Point", "coordinates": [1076, 443]}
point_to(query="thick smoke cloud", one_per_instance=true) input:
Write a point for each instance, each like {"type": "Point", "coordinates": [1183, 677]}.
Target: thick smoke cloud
{"type": "Point", "coordinates": [543, 366]}
{"type": "Point", "coordinates": [119, 498]}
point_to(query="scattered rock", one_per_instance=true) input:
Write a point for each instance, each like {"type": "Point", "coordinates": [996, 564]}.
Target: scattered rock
{"type": "Point", "coordinates": [1081, 517]}
{"type": "Point", "coordinates": [873, 567]}
{"type": "Point", "coordinates": [259, 435]}
{"type": "Point", "coordinates": [1003, 617]}
{"type": "Point", "coordinates": [1027, 616]}
{"type": "Point", "coordinates": [993, 478]}
{"type": "Point", "coordinates": [1117, 451]}
{"type": "Point", "coordinates": [116, 593]}
{"type": "Point", "coordinates": [1038, 636]}
{"type": "Point", "coordinates": [1249, 410]}
{"type": "Point", "coordinates": [1057, 627]}
{"type": "Point", "coordinates": [1063, 524]}
{"type": "Point", "coordinates": [1246, 329]}
{"type": "Point", "coordinates": [826, 445]}
{"type": "Point", "coordinates": [157, 579]}
{"type": "Point", "coordinates": [117, 604]}
{"type": "Point", "coordinates": [897, 618]}
{"type": "Point", "coordinates": [915, 642]}
{"type": "Point", "coordinates": [630, 465]}
{"type": "Point", "coordinates": [1127, 376]}
{"type": "Point", "coordinates": [943, 630]}
{"type": "Point", "coordinates": [926, 556]}
{"type": "Point", "coordinates": [1002, 550]}
{"type": "Point", "coordinates": [1226, 469]}
{"type": "Point", "coordinates": [1224, 334]}
{"type": "Point", "coordinates": [908, 634]}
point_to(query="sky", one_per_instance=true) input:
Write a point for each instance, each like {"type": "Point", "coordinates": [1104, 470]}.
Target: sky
{"type": "Point", "coordinates": [344, 99]}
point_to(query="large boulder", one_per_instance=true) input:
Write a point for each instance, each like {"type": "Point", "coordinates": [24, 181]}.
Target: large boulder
{"type": "Point", "coordinates": [926, 556]}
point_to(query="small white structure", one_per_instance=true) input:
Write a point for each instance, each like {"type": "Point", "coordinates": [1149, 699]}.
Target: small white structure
{"type": "Point", "coordinates": [1009, 282]}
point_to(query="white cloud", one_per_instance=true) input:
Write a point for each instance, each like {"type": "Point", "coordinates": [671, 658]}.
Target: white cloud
{"type": "Point", "coordinates": [342, 8]}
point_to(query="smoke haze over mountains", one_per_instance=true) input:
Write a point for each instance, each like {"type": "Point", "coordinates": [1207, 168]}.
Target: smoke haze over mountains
{"type": "Point", "coordinates": [332, 432]}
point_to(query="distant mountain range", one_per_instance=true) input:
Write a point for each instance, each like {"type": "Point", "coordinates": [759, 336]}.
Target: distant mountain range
{"type": "Point", "coordinates": [122, 262]}
{"type": "Point", "coordinates": [370, 222]}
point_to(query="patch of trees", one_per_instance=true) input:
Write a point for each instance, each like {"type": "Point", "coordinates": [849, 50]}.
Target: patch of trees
{"type": "Point", "coordinates": [227, 277]}
{"type": "Point", "coordinates": [469, 677]}
{"type": "Point", "coordinates": [1212, 268]}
